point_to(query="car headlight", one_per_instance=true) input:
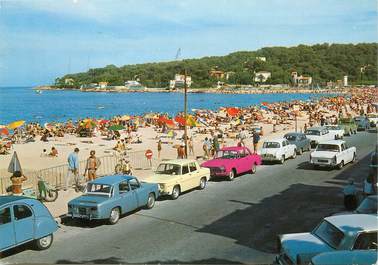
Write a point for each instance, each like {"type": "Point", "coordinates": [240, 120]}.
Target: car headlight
{"type": "Point", "coordinates": [222, 169]}
{"type": "Point", "coordinates": [161, 186]}
{"type": "Point", "coordinates": [334, 160]}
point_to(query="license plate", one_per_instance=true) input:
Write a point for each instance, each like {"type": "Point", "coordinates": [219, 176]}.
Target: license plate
{"type": "Point", "coordinates": [323, 161]}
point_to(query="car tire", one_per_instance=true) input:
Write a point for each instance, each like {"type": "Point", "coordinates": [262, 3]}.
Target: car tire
{"type": "Point", "coordinates": [294, 154]}
{"type": "Point", "coordinates": [44, 242]}
{"type": "Point", "coordinates": [175, 192]}
{"type": "Point", "coordinates": [114, 216]}
{"type": "Point", "coordinates": [151, 201]}
{"type": "Point", "coordinates": [282, 160]}
{"type": "Point", "coordinates": [253, 169]}
{"type": "Point", "coordinates": [315, 166]}
{"type": "Point", "coordinates": [232, 175]}
{"type": "Point", "coordinates": [203, 183]}
{"type": "Point", "coordinates": [341, 165]}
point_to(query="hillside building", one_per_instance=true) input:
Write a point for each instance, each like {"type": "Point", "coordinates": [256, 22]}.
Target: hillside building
{"type": "Point", "coordinates": [300, 80]}
{"type": "Point", "coordinates": [262, 76]}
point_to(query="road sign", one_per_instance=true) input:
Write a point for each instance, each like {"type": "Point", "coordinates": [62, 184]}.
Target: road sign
{"type": "Point", "coordinates": [148, 154]}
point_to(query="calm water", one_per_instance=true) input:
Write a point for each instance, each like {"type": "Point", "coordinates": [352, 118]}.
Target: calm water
{"type": "Point", "coordinates": [24, 103]}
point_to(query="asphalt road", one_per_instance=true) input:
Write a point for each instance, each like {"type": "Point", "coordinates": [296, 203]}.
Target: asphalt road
{"type": "Point", "coordinates": [228, 222]}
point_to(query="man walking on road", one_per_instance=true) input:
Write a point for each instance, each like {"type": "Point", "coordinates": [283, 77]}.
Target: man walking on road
{"type": "Point", "coordinates": [242, 136]}
{"type": "Point", "coordinates": [256, 139]}
{"type": "Point", "coordinates": [93, 163]}
{"type": "Point", "coordinates": [73, 168]}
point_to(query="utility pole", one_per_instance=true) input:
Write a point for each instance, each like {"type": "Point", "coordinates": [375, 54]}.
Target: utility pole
{"type": "Point", "coordinates": [185, 114]}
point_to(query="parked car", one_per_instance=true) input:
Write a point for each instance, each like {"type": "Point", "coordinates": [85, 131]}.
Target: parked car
{"type": "Point", "coordinates": [336, 131]}
{"type": "Point", "coordinates": [231, 161]}
{"type": "Point", "coordinates": [369, 205]}
{"type": "Point", "coordinates": [334, 153]}
{"type": "Point", "coordinates": [299, 140]}
{"type": "Point", "coordinates": [23, 220]}
{"type": "Point", "coordinates": [341, 232]}
{"type": "Point", "coordinates": [346, 257]}
{"type": "Point", "coordinates": [108, 197]}
{"type": "Point", "coordinates": [317, 135]}
{"type": "Point", "coordinates": [363, 123]}
{"type": "Point", "coordinates": [372, 118]}
{"type": "Point", "coordinates": [177, 176]}
{"type": "Point", "coordinates": [278, 150]}
{"type": "Point", "coordinates": [349, 125]}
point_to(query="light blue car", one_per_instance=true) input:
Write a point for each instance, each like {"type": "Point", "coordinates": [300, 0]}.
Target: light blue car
{"type": "Point", "coordinates": [108, 197]}
{"type": "Point", "coordinates": [23, 220]}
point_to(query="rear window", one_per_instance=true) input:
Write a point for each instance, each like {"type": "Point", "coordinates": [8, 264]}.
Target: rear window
{"type": "Point", "coordinates": [271, 145]}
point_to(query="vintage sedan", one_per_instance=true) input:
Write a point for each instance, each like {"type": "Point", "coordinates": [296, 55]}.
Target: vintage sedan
{"type": "Point", "coordinates": [342, 232]}
{"type": "Point", "coordinates": [335, 153]}
{"type": "Point", "coordinates": [106, 198]}
{"type": "Point", "coordinates": [177, 176]}
{"type": "Point", "coordinates": [300, 140]}
{"type": "Point", "coordinates": [349, 125]}
{"type": "Point", "coordinates": [24, 220]}
{"type": "Point", "coordinates": [278, 150]}
{"type": "Point", "coordinates": [231, 161]}
{"type": "Point", "coordinates": [317, 135]}
{"type": "Point", "coordinates": [336, 131]}
{"type": "Point", "coordinates": [346, 257]}
{"type": "Point", "coordinates": [362, 122]}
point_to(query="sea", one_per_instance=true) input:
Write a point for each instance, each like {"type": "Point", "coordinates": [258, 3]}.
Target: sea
{"type": "Point", "coordinates": [23, 103]}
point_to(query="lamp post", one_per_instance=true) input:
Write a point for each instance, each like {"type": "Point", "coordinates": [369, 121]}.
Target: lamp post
{"type": "Point", "coordinates": [185, 114]}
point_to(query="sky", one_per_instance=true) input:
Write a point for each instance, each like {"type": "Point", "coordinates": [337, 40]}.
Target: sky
{"type": "Point", "coordinates": [44, 39]}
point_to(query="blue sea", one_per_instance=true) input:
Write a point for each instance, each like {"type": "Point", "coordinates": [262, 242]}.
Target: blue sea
{"type": "Point", "coordinates": [24, 103]}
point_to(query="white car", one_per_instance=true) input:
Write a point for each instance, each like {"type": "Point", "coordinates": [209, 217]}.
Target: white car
{"type": "Point", "coordinates": [373, 118]}
{"type": "Point", "coordinates": [333, 153]}
{"type": "Point", "coordinates": [334, 233]}
{"type": "Point", "coordinates": [336, 131]}
{"type": "Point", "coordinates": [317, 135]}
{"type": "Point", "coordinates": [346, 257]}
{"type": "Point", "coordinates": [278, 150]}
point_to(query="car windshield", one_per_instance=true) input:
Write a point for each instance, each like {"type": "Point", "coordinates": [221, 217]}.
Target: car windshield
{"type": "Point", "coordinates": [328, 147]}
{"type": "Point", "coordinates": [226, 154]}
{"type": "Point", "coordinates": [329, 234]}
{"type": "Point", "coordinates": [271, 145]}
{"type": "Point", "coordinates": [168, 169]}
{"type": "Point", "coordinates": [290, 137]}
{"type": "Point", "coordinates": [368, 206]}
{"type": "Point", "coordinates": [312, 132]}
{"type": "Point", "coordinates": [100, 189]}
{"type": "Point", "coordinates": [333, 127]}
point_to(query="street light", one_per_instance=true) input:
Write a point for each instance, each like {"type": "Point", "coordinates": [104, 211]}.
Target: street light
{"type": "Point", "coordinates": [185, 114]}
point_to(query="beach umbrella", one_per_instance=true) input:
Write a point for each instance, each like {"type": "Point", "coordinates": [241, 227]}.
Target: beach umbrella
{"type": "Point", "coordinates": [116, 127]}
{"type": "Point", "coordinates": [4, 131]}
{"type": "Point", "coordinates": [180, 120]}
{"type": "Point", "coordinates": [103, 122]}
{"type": "Point", "coordinates": [14, 164]}
{"type": "Point", "coordinates": [15, 124]}
{"type": "Point", "coordinates": [125, 117]}
{"type": "Point", "coordinates": [191, 121]}
{"type": "Point", "coordinates": [233, 112]}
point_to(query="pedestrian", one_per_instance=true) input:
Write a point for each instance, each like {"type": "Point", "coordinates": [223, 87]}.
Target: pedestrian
{"type": "Point", "coordinates": [159, 147]}
{"type": "Point", "coordinates": [17, 178]}
{"type": "Point", "coordinates": [256, 139]}
{"type": "Point", "coordinates": [93, 163]}
{"type": "Point", "coordinates": [73, 168]}
{"type": "Point", "coordinates": [242, 136]}
{"type": "Point", "coordinates": [191, 147]}
{"type": "Point", "coordinates": [205, 147]}
{"type": "Point", "coordinates": [350, 196]}
{"type": "Point", "coordinates": [215, 144]}
{"type": "Point", "coordinates": [181, 151]}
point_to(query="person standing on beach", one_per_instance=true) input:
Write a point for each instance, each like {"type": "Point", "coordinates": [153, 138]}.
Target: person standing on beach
{"type": "Point", "coordinates": [242, 136]}
{"type": "Point", "coordinates": [73, 168]}
{"type": "Point", "coordinates": [191, 145]}
{"type": "Point", "coordinates": [17, 178]}
{"type": "Point", "coordinates": [256, 139]}
{"type": "Point", "coordinates": [159, 147]}
{"type": "Point", "coordinates": [205, 147]}
{"type": "Point", "coordinates": [93, 163]}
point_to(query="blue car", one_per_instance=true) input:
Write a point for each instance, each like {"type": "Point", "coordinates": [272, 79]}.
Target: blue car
{"type": "Point", "coordinates": [108, 197]}
{"type": "Point", "coordinates": [24, 220]}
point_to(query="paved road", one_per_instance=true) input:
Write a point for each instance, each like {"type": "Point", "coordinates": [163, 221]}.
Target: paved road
{"type": "Point", "coordinates": [227, 222]}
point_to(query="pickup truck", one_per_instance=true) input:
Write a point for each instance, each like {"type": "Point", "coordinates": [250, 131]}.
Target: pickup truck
{"type": "Point", "coordinates": [333, 153]}
{"type": "Point", "coordinates": [317, 135]}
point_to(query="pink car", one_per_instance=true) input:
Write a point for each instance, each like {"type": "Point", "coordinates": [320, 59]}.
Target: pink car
{"type": "Point", "coordinates": [231, 161]}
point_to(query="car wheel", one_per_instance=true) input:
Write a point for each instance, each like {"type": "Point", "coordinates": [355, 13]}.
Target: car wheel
{"type": "Point", "coordinates": [175, 192]}
{"type": "Point", "coordinates": [341, 165]}
{"type": "Point", "coordinates": [253, 169]}
{"type": "Point", "coordinates": [232, 174]}
{"type": "Point", "coordinates": [282, 160]}
{"type": "Point", "coordinates": [294, 154]}
{"type": "Point", "coordinates": [114, 216]}
{"type": "Point", "coordinates": [44, 242]}
{"type": "Point", "coordinates": [316, 166]}
{"type": "Point", "coordinates": [150, 201]}
{"type": "Point", "coordinates": [300, 151]}
{"type": "Point", "coordinates": [203, 183]}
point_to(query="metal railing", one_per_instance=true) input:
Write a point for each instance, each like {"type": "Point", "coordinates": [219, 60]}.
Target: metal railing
{"type": "Point", "coordinates": [55, 176]}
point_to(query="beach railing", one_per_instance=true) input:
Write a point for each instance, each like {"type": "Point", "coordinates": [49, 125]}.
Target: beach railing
{"type": "Point", "coordinates": [55, 176]}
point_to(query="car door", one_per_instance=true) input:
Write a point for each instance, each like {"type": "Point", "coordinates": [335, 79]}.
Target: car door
{"type": "Point", "coordinates": [139, 195]}
{"type": "Point", "coordinates": [244, 162]}
{"type": "Point", "coordinates": [194, 175]}
{"type": "Point", "coordinates": [8, 235]}
{"type": "Point", "coordinates": [127, 197]}
{"type": "Point", "coordinates": [285, 146]}
{"type": "Point", "coordinates": [186, 176]}
{"type": "Point", "coordinates": [23, 223]}
{"type": "Point", "coordinates": [348, 152]}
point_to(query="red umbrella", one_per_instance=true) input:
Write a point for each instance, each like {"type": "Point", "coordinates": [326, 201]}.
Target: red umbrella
{"type": "Point", "coordinates": [4, 131]}
{"type": "Point", "coordinates": [104, 121]}
{"type": "Point", "coordinates": [233, 111]}
{"type": "Point", "coordinates": [180, 120]}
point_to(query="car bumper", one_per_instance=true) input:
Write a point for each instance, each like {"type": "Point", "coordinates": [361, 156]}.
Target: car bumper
{"type": "Point", "coordinates": [269, 158]}
{"type": "Point", "coordinates": [323, 162]}
{"type": "Point", "coordinates": [83, 216]}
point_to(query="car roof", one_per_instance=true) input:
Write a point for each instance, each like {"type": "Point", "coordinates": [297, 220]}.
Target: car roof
{"type": "Point", "coordinates": [279, 140]}
{"type": "Point", "coordinates": [316, 128]}
{"type": "Point", "coordinates": [294, 133]}
{"type": "Point", "coordinates": [354, 222]}
{"type": "Point", "coordinates": [338, 142]}
{"type": "Point", "coordinates": [178, 161]}
{"type": "Point", "coordinates": [8, 199]}
{"type": "Point", "coordinates": [113, 179]}
{"type": "Point", "coordinates": [233, 148]}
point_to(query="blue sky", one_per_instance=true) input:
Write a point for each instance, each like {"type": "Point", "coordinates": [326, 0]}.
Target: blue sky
{"type": "Point", "coordinates": [44, 39]}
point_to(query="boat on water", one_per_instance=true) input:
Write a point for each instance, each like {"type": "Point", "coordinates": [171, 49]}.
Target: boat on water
{"type": "Point", "coordinates": [38, 91]}
{"type": "Point", "coordinates": [100, 107]}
